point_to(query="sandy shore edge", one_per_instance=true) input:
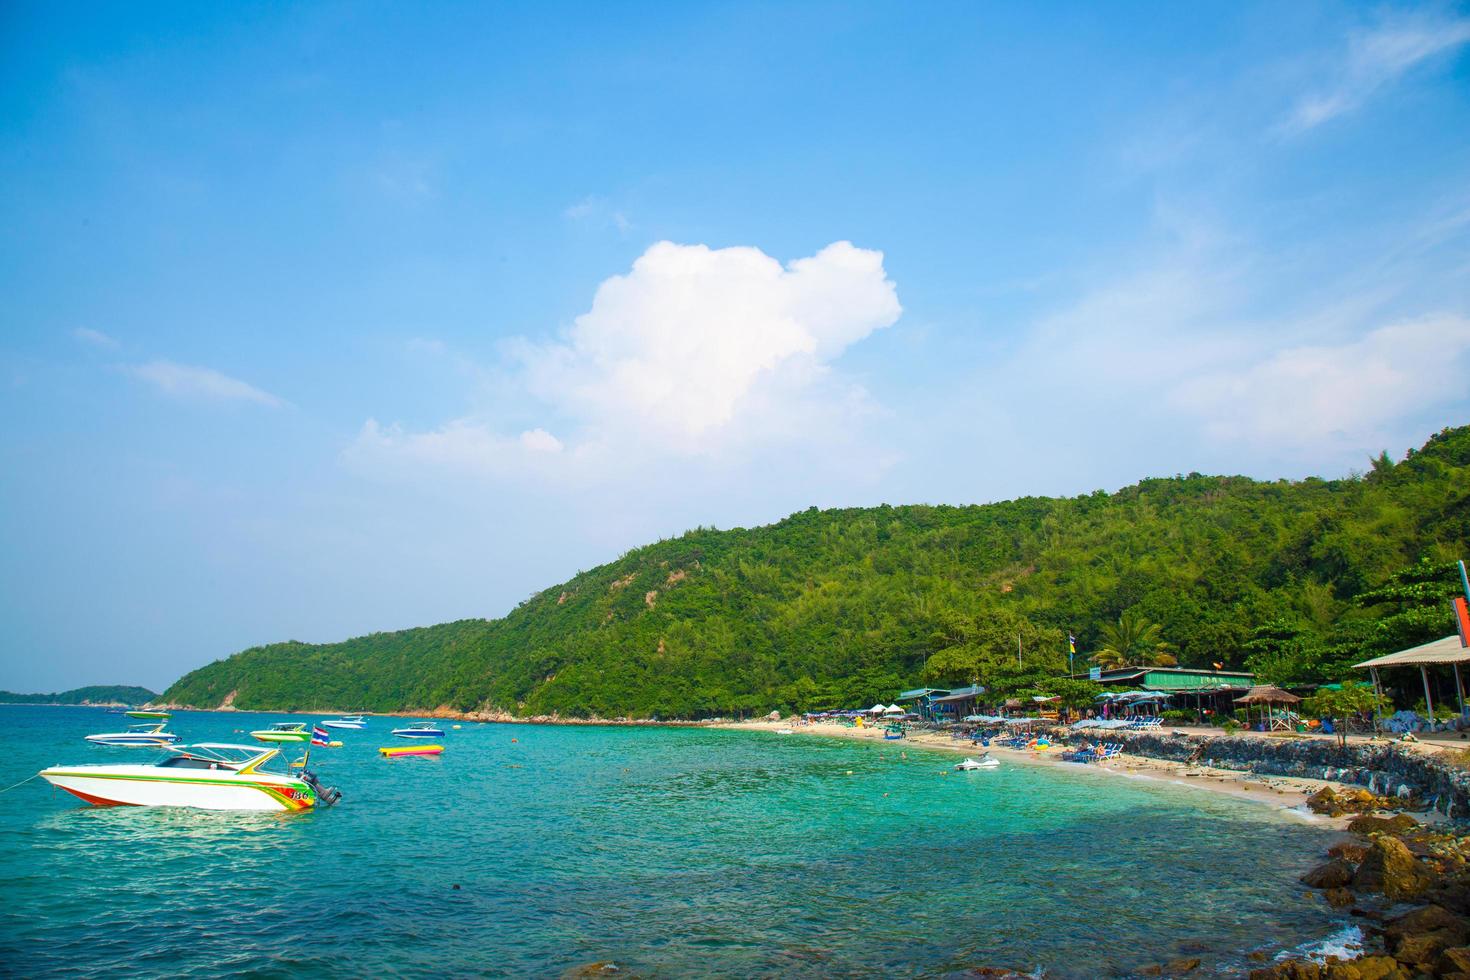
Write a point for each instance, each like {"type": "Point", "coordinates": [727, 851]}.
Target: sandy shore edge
{"type": "Point", "coordinates": [1287, 794]}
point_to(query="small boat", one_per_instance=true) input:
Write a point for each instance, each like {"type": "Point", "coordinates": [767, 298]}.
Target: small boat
{"type": "Point", "coordinates": [208, 776]}
{"type": "Point", "coordinates": [347, 721]}
{"type": "Point", "coordinates": [986, 761]}
{"type": "Point", "coordinates": [284, 731]}
{"type": "Point", "coordinates": [394, 751]}
{"type": "Point", "coordinates": [147, 736]}
{"type": "Point", "coordinates": [140, 713]}
{"type": "Point", "coordinates": [421, 730]}
{"type": "Point", "coordinates": [785, 731]}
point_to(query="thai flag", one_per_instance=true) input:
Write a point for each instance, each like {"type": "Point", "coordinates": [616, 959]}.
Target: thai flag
{"type": "Point", "coordinates": [318, 735]}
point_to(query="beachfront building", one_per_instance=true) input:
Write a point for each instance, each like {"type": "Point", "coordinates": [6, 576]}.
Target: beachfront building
{"type": "Point", "coordinates": [921, 700]}
{"type": "Point", "coordinates": [955, 705]}
{"type": "Point", "coordinates": [1186, 688]}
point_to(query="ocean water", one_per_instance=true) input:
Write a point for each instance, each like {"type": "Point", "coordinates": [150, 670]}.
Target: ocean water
{"type": "Point", "coordinates": [671, 852]}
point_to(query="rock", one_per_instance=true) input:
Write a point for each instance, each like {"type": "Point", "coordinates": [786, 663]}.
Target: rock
{"type": "Point", "coordinates": [1152, 971]}
{"type": "Point", "coordinates": [1391, 870]}
{"type": "Point", "coordinates": [1399, 823]}
{"type": "Point", "coordinates": [1367, 968]}
{"type": "Point", "coordinates": [1456, 959]}
{"type": "Point", "coordinates": [1288, 970]}
{"type": "Point", "coordinates": [602, 968]}
{"type": "Point", "coordinates": [1422, 949]}
{"type": "Point", "coordinates": [1338, 898]}
{"type": "Point", "coordinates": [1349, 851]}
{"type": "Point", "coordinates": [1181, 966]}
{"type": "Point", "coordinates": [1426, 918]}
{"type": "Point", "coordinates": [1334, 874]}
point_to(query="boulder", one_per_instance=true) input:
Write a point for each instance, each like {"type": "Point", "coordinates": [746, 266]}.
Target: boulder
{"type": "Point", "coordinates": [1422, 950]}
{"type": "Point", "coordinates": [1288, 970]}
{"type": "Point", "coordinates": [1338, 898]}
{"type": "Point", "coordinates": [1391, 870]}
{"type": "Point", "coordinates": [1399, 823]}
{"type": "Point", "coordinates": [1367, 968]}
{"type": "Point", "coordinates": [1181, 966]}
{"type": "Point", "coordinates": [1426, 918]}
{"type": "Point", "coordinates": [1336, 873]}
{"type": "Point", "coordinates": [1456, 959]}
{"type": "Point", "coordinates": [1349, 851]}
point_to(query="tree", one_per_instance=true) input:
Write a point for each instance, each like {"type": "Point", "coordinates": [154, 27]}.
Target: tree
{"type": "Point", "coordinates": [1133, 640]}
{"type": "Point", "coordinates": [1351, 699]}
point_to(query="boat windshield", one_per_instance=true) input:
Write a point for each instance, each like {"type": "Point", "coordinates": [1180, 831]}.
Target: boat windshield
{"type": "Point", "coordinates": [214, 755]}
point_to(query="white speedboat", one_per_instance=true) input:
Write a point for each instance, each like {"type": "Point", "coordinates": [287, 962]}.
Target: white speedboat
{"type": "Point", "coordinates": [421, 730]}
{"type": "Point", "coordinates": [147, 736]}
{"type": "Point", "coordinates": [986, 761]}
{"type": "Point", "coordinates": [208, 776]}
{"type": "Point", "coordinates": [346, 721]}
{"type": "Point", "coordinates": [284, 731]}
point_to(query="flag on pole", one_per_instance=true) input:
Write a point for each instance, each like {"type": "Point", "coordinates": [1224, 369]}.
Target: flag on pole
{"type": "Point", "coordinates": [1071, 643]}
{"type": "Point", "coordinates": [318, 735]}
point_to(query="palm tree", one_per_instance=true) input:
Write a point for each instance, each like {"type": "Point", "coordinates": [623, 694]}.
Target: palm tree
{"type": "Point", "coordinates": [1133, 640]}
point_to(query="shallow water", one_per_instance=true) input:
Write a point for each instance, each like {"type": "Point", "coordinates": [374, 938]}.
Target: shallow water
{"type": "Point", "coordinates": [673, 852]}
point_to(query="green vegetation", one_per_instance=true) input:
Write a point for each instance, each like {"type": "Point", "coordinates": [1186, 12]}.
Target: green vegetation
{"type": "Point", "coordinates": [1353, 699]}
{"type": "Point", "coordinates": [97, 694]}
{"type": "Point", "coordinates": [1296, 580]}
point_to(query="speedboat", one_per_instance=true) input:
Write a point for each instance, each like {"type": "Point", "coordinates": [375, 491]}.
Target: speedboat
{"type": "Point", "coordinates": [140, 713]}
{"type": "Point", "coordinates": [209, 776]}
{"type": "Point", "coordinates": [284, 731]}
{"type": "Point", "coordinates": [148, 736]}
{"type": "Point", "coordinates": [346, 721]}
{"type": "Point", "coordinates": [421, 730]}
{"type": "Point", "coordinates": [986, 761]}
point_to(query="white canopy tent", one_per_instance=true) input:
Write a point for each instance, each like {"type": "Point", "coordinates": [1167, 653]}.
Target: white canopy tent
{"type": "Point", "coordinates": [894, 709]}
{"type": "Point", "coordinates": [876, 709]}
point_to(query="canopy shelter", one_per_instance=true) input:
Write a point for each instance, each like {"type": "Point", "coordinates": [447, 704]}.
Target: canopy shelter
{"type": "Point", "coordinates": [876, 709]}
{"type": "Point", "coordinates": [960, 701]}
{"type": "Point", "coordinates": [1270, 695]}
{"type": "Point", "coordinates": [894, 709]}
{"type": "Point", "coordinates": [1446, 650]}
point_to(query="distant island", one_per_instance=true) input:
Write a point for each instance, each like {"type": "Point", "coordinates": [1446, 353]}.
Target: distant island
{"type": "Point", "coordinates": [1294, 580]}
{"type": "Point", "coordinates": [98, 694]}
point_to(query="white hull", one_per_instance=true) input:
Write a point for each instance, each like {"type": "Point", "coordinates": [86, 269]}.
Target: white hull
{"type": "Point", "coordinates": [145, 741]}
{"type": "Point", "coordinates": [144, 786]}
{"type": "Point", "coordinates": [344, 724]}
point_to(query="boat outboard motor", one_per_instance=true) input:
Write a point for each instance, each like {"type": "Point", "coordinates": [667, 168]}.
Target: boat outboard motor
{"type": "Point", "coordinates": [325, 795]}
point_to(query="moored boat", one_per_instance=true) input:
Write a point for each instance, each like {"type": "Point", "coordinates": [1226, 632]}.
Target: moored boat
{"type": "Point", "coordinates": [986, 761]}
{"type": "Point", "coordinates": [284, 731]}
{"type": "Point", "coordinates": [145, 736]}
{"type": "Point", "coordinates": [346, 721]}
{"type": "Point", "coordinates": [141, 713]}
{"type": "Point", "coordinates": [207, 776]}
{"type": "Point", "coordinates": [420, 730]}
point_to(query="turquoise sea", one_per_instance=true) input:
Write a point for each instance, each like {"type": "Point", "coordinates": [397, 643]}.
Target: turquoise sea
{"type": "Point", "coordinates": [530, 851]}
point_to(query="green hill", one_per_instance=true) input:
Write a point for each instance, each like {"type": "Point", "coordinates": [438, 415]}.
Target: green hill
{"type": "Point", "coordinates": [96, 694]}
{"type": "Point", "coordinates": [840, 607]}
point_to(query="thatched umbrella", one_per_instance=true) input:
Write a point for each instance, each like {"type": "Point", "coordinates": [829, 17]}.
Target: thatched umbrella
{"type": "Point", "coordinates": [1267, 694]}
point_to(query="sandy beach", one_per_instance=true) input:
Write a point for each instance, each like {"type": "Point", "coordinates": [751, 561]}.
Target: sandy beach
{"type": "Point", "coordinates": [1285, 793]}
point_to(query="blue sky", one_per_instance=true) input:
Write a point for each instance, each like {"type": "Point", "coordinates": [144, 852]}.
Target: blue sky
{"type": "Point", "coordinates": [320, 320]}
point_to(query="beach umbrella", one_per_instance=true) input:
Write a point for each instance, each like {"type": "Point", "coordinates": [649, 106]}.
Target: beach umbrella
{"type": "Point", "coordinates": [1268, 695]}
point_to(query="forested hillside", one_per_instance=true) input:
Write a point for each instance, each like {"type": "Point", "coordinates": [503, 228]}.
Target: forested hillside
{"type": "Point", "coordinates": [828, 608]}
{"type": "Point", "coordinates": [97, 694]}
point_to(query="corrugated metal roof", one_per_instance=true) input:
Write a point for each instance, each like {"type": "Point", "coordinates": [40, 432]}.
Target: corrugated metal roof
{"type": "Point", "coordinates": [1443, 651]}
{"type": "Point", "coordinates": [962, 694]}
{"type": "Point", "coordinates": [920, 692]}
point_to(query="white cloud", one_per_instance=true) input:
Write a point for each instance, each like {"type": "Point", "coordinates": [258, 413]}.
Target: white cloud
{"type": "Point", "coordinates": [695, 351]}
{"type": "Point", "coordinates": [540, 441]}
{"type": "Point", "coordinates": [683, 343]}
{"type": "Point", "coordinates": [1374, 59]}
{"type": "Point", "coordinates": [190, 381]}
{"type": "Point", "coordinates": [1299, 395]}
{"type": "Point", "coordinates": [598, 210]}
{"type": "Point", "coordinates": [95, 337]}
